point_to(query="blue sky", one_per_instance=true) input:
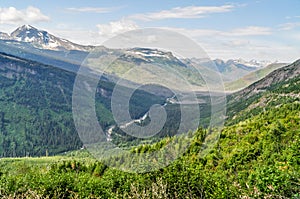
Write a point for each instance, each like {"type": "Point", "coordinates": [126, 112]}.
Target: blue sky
{"type": "Point", "coordinates": [248, 29]}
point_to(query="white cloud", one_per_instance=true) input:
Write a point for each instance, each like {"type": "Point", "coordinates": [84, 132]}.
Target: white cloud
{"type": "Point", "coordinates": [251, 31]}
{"type": "Point", "coordinates": [79, 36]}
{"type": "Point", "coordinates": [243, 43]}
{"type": "Point", "coordinates": [291, 17]}
{"type": "Point", "coordinates": [289, 26]}
{"type": "Point", "coordinates": [183, 12]}
{"type": "Point", "coordinates": [93, 9]}
{"type": "Point", "coordinates": [239, 32]}
{"type": "Point", "coordinates": [217, 43]}
{"type": "Point", "coordinates": [14, 16]}
{"type": "Point", "coordinates": [295, 36]}
{"type": "Point", "coordinates": [116, 27]}
{"type": "Point", "coordinates": [250, 49]}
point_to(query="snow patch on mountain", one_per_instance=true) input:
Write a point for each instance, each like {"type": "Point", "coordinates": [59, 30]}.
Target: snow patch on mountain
{"type": "Point", "coordinates": [150, 53]}
{"type": "Point", "coordinates": [42, 39]}
{"type": "Point", "coordinates": [253, 63]}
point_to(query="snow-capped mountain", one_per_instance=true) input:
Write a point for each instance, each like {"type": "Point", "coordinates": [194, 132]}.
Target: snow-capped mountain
{"type": "Point", "coordinates": [233, 69]}
{"type": "Point", "coordinates": [39, 45]}
{"type": "Point", "coordinates": [240, 63]}
{"type": "Point", "coordinates": [146, 52]}
{"type": "Point", "coordinates": [253, 63]}
{"type": "Point", "coordinates": [223, 66]}
{"type": "Point", "coordinates": [147, 55]}
{"type": "Point", "coordinates": [43, 39]}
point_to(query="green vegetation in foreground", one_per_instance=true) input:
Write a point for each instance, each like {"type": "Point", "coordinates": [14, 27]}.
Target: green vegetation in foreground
{"type": "Point", "coordinates": [255, 158]}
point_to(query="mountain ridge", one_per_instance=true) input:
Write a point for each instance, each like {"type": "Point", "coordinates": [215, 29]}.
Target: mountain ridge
{"type": "Point", "coordinates": [282, 74]}
{"type": "Point", "coordinates": [31, 34]}
{"type": "Point", "coordinates": [38, 45]}
{"type": "Point", "coordinates": [232, 69]}
{"type": "Point", "coordinates": [276, 89]}
{"type": "Point", "coordinates": [42, 39]}
{"type": "Point", "coordinates": [252, 77]}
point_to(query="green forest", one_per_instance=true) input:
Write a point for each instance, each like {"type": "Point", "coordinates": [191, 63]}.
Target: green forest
{"type": "Point", "coordinates": [256, 156]}
{"type": "Point", "coordinates": [36, 108]}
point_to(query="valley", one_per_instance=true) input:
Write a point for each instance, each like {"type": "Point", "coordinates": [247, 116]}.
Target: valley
{"type": "Point", "coordinates": [257, 155]}
{"type": "Point", "coordinates": [246, 149]}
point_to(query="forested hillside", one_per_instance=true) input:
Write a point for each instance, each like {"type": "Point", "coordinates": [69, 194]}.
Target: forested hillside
{"type": "Point", "coordinates": [36, 108]}
{"type": "Point", "coordinates": [257, 156]}
{"type": "Point", "coordinates": [278, 88]}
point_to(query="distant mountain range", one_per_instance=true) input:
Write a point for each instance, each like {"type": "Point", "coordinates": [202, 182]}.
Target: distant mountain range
{"type": "Point", "coordinates": [31, 43]}
{"type": "Point", "coordinates": [254, 76]}
{"type": "Point", "coordinates": [233, 69]}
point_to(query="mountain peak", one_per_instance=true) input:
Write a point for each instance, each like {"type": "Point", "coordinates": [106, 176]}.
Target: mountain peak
{"type": "Point", "coordinates": [24, 30]}
{"type": "Point", "coordinates": [27, 27]}
{"type": "Point", "coordinates": [43, 39]}
{"type": "Point", "coordinates": [27, 33]}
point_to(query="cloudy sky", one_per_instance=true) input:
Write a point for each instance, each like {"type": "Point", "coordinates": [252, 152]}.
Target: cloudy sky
{"type": "Point", "coordinates": [248, 29]}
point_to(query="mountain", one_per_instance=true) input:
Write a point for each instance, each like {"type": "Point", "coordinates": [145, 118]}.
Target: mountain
{"type": "Point", "coordinates": [141, 65]}
{"type": "Point", "coordinates": [148, 55]}
{"type": "Point", "coordinates": [256, 155]}
{"type": "Point", "coordinates": [232, 69]}
{"type": "Point", "coordinates": [252, 63]}
{"type": "Point", "coordinates": [31, 43]}
{"type": "Point", "coordinates": [43, 39]}
{"type": "Point", "coordinates": [252, 77]}
{"type": "Point", "coordinates": [277, 88]}
{"type": "Point", "coordinates": [281, 75]}
{"type": "Point", "coordinates": [38, 45]}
